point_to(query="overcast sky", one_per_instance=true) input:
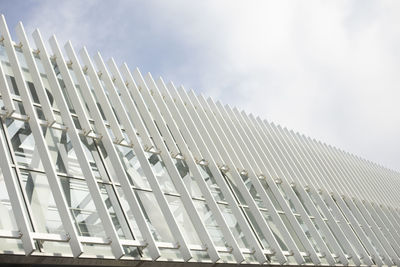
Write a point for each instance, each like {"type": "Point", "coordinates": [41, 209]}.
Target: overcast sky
{"type": "Point", "coordinates": [329, 69]}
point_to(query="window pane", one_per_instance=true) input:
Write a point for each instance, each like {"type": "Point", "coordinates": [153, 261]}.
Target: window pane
{"type": "Point", "coordinates": [234, 226]}
{"type": "Point", "coordinates": [212, 226]}
{"type": "Point", "coordinates": [7, 219]}
{"type": "Point", "coordinates": [183, 220]}
{"type": "Point", "coordinates": [82, 207]}
{"type": "Point", "coordinates": [132, 167]}
{"type": "Point", "coordinates": [40, 199]}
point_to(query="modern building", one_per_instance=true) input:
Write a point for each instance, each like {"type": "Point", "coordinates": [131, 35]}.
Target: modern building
{"type": "Point", "coordinates": [101, 165]}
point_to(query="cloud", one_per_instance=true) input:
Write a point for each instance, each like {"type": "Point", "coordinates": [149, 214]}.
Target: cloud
{"type": "Point", "coordinates": [328, 69]}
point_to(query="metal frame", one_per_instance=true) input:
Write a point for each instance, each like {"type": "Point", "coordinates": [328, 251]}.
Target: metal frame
{"type": "Point", "coordinates": [127, 123]}
{"type": "Point", "coordinates": [229, 114]}
{"type": "Point", "coordinates": [340, 208]}
{"type": "Point", "coordinates": [210, 151]}
{"type": "Point", "coordinates": [107, 140]}
{"type": "Point", "coordinates": [48, 165]}
{"type": "Point", "coordinates": [186, 155]}
{"type": "Point", "coordinates": [143, 108]}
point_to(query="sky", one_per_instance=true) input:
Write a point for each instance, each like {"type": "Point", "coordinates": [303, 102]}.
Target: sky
{"type": "Point", "coordinates": [328, 69]}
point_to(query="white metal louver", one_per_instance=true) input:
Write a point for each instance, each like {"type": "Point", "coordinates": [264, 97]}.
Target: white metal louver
{"type": "Point", "coordinates": [100, 161]}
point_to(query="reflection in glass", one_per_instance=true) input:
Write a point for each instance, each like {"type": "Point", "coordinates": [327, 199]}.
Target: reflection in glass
{"type": "Point", "coordinates": [257, 229]}
{"type": "Point", "coordinates": [294, 235]}
{"type": "Point", "coordinates": [211, 182]}
{"type": "Point", "coordinates": [275, 230]}
{"type": "Point", "coordinates": [188, 179]}
{"type": "Point", "coordinates": [161, 173]}
{"type": "Point", "coordinates": [82, 207]}
{"type": "Point", "coordinates": [305, 229]}
{"type": "Point", "coordinates": [153, 214]}
{"type": "Point", "coordinates": [183, 220]}
{"type": "Point", "coordinates": [132, 167]}
{"type": "Point", "coordinates": [23, 144]}
{"type": "Point", "coordinates": [40, 198]}
{"type": "Point", "coordinates": [234, 226]}
{"type": "Point", "coordinates": [212, 226]}
{"type": "Point", "coordinates": [7, 219]}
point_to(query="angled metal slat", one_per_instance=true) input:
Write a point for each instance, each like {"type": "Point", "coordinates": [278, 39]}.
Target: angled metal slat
{"type": "Point", "coordinates": [239, 156]}
{"type": "Point", "coordinates": [152, 179]}
{"type": "Point", "coordinates": [37, 81]}
{"type": "Point", "coordinates": [108, 143]}
{"type": "Point", "coordinates": [241, 124]}
{"type": "Point", "coordinates": [41, 143]}
{"type": "Point", "coordinates": [94, 190]}
{"type": "Point", "coordinates": [209, 151]}
{"type": "Point", "coordinates": [176, 125]}
{"type": "Point", "coordinates": [16, 200]}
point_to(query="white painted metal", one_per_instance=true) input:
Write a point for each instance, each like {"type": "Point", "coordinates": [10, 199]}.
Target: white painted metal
{"type": "Point", "coordinates": [17, 202]}
{"type": "Point", "coordinates": [165, 155]}
{"type": "Point", "coordinates": [48, 165]}
{"type": "Point", "coordinates": [6, 94]}
{"type": "Point", "coordinates": [236, 116]}
{"type": "Point", "coordinates": [37, 81]}
{"type": "Point", "coordinates": [245, 159]}
{"type": "Point", "coordinates": [326, 205]}
{"type": "Point", "coordinates": [127, 123]}
{"type": "Point", "coordinates": [94, 190]}
{"type": "Point", "coordinates": [189, 159]}
{"type": "Point", "coordinates": [107, 142]}
{"type": "Point", "coordinates": [210, 151]}
{"type": "Point", "coordinates": [341, 208]}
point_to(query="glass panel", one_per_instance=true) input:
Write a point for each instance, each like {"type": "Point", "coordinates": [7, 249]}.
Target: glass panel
{"type": "Point", "coordinates": [275, 230]}
{"type": "Point", "coordinates": [183, 220]}
{"type": "Point", "coordinates": [132, 167]}
{"type": "Point", "coordinates": [45, 81]}
{"type": "Point", "coordinates": [295, 237]}
{"type": "Point", "coordinates": [234, 226]}
{"type": "Point", "coordinates": [82, 207]}
{"type": "Point", "coordinates": [7, 219]}
{"type": "Point", "coordinates": [62, 152]}
{"type": "Point", "coordinates": [154, 216]}
{"type": "Point", "coordinates": [94, 159]}
{"type": "Point", "coordinates": [115, 211]}
{"type": "Point", "coordinates": [235, 190]}
{"type": "Point", "coordinates": [305, 229]}
{"type": "Point", "coordinates": [5, 63]}
{"type": "Point", "coordinates": [211, 182]}
{"type": "Point", "coordinates": [97, 251]}
{"type": "Point", "coordinates": [250, 258]}
{"type": "Point", "coordinates": [271, 195]}
{"type": "Point", "coordinates": [286, 197]}
{"type": "Point", "coordinates": [212, 226]}
{"type": "Point", "coordinates": [55, 248]}
{"type": "Point", "coordinates": [131, 219]}
{"type": "Point", "coordinates": [132, 252]}
{"type": "Point", "coordinates": [256, 228]}
{"type": "Point", "coordinates": [253, 192]}
{"type": "Point", "coordinates": [188, 179]}
{"type": "Point", "coordinates": [301, 200]}
{"type": "Point", "coordinates": [33, 92]}
{"type": "Point", "coordinates": [12, 85]}
{"type": "Point", "coordinates": [200, 256]}
{"type": "Point", "coordinates": [11, 246]}
{"type": "Point", "coordinates": [322, 235]}
{"type": "Point", "coordinates": [40, 199]}
{"type": "Point", "coordinates": [23, 144]}
{"type": "Point", "coordinates": [227, 257]}
{"type": "Point", "coordinates": [161, 173]}
{"type": "Point", "coordinates": [316, 204]}
{"type": "Point", "coordinates": [168, 254]}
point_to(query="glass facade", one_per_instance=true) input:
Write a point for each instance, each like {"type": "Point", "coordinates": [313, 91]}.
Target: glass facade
{"type": "Point", "coordinates": [104, 163]}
